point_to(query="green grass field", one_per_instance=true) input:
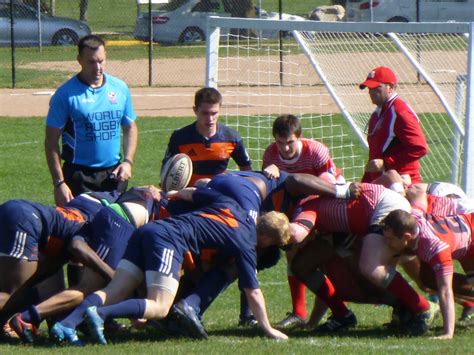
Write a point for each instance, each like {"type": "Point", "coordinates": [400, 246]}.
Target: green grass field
{"type": "Point", "coordinates": [24, 174]}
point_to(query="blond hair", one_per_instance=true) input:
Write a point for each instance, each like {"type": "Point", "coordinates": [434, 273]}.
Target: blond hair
{"type": "Point", "coordinates": [275, 225]}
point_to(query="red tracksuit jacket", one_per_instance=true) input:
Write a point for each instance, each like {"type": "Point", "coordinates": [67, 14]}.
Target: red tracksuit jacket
{"type": "Point", "coordinates": [395, 135]}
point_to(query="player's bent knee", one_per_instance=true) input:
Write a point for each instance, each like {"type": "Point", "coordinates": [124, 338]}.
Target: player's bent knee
{"type": "Point", "coordinates": [374, 273]}
{"type": "Point", "coordinates": [132, 269]}
{"type": "Point", "coordinates": [156, 310]}
{"type": "Point", "coordinates": [299, 269]}
{"type": "Point", "coordinates": [166, 283]}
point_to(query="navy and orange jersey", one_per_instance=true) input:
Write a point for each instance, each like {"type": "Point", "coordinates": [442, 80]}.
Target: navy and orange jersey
{"type": "Point", "coordinates": [36, 227]}
{"type": "Point", "coordinates": [210, 156]}
{"type": "Point", "coordinates": [220, 224]}
{"type": "Point", "coordinates": [271, 195]}
{"type": "Point", "coordinates": [89, 203]}
{"type": "Point", "coordinates": [168, 208]}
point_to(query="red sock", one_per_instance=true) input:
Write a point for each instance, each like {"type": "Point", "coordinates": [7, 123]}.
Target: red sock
{"type": "Point", "coordinates": [298, 296]}
{"type": "Point", "coordinates": [401, 289]}
{"type": "Point", "coordinates": [468, 304]}
{"type": "Point", "coordinates": [327, 293]}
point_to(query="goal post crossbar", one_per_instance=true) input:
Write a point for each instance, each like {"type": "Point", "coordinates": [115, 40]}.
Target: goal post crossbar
{"type": "Point", "coordinates": [240, 58]}
{"type": "Point", "coordinates": [318, 26]}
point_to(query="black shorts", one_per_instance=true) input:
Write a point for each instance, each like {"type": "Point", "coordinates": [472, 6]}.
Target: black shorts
{"type": "Point", "coordinates": [82, 179]}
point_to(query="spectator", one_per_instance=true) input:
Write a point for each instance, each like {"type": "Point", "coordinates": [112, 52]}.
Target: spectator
{"type": "Point", "coordinates": [396, 140]}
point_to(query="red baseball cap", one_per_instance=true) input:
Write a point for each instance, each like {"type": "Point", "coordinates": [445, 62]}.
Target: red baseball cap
{"type": "Point", "coordinates": [380, 75]}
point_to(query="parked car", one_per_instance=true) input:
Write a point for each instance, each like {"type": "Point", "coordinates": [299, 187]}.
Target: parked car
{"type": "Point", "coordinates": [185, 21]}
{"type": "Point", "coordinates": [54, 30]}
{"type": "Point", "coordinates": [405, 10]}
{"type": "Point", "coordinates": [179, 21]}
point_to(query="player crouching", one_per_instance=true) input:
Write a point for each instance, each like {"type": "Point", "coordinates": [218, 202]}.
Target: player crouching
{"type": "Point", "coordinates": [155, 254]}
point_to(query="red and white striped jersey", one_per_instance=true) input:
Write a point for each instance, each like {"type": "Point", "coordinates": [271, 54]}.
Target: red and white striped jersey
{"type": "Point", "coordinates": [448, 206]}
{"type": "Point", "coordinates": [442, 239]}
{"type": "Point", "coordinates": [313, 159]}
{"type": "Point", "coordinates": [331, 215]}
{"type": "Point", "coordinates": [441, 206]}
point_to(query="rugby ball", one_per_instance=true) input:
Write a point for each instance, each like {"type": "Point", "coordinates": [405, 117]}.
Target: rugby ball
{"type": "Point", "coordinates": [176, 172]}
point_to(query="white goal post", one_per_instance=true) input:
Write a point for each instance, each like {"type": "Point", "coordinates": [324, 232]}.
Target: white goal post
{"type": "Point", "coordinates": [315, 71]}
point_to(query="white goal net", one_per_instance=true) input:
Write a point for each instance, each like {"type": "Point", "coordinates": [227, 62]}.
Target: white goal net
{"type": "Point", "coordinates": [315, 71]}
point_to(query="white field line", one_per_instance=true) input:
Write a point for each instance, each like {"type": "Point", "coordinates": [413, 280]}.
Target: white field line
{"type": "Point", "coordinates": [7, 145]}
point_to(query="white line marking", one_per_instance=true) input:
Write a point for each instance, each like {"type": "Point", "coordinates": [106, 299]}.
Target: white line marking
{"type": "Point", "coordinates": [17, 144]}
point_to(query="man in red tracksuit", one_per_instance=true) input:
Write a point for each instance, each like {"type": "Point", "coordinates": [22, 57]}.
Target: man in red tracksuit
{"type": "Point", "coordinates": [396, 140]}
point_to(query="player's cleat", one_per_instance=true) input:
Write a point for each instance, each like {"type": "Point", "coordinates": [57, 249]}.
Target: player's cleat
{"type": "Point", "coordinates": [467, 315]}
{"type": "Point", "coordinates": [291, 321]}
{"type": "Point", "coordinates": [248, 321]}
{"type": "Point", "coordinates": [334, 324]}
{"type": "Point", "coordinates": [187, 318]}
{"type": "Point", "coordinates": [61, 334]}
{"type": "Point", "coordinates": [95, 324]}
{"type": "Point", "coordinates": [169, 326]}
{"type": "Point", "coordinates": [421, 322]}
{"type": "Point", "coordinates": [8, 333]}
{"type": "Point", "coordinates": [433, 298]}
{"type": "Point", "coordinates": [113, 327]}
{"type": "Point", "coordinates": [26, 331]}
{"type": "Point", "coordinates": [400, 317]}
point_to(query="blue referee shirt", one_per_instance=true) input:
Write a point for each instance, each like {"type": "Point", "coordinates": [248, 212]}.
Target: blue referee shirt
{"type": "Point", "coordinates": [91, 119]}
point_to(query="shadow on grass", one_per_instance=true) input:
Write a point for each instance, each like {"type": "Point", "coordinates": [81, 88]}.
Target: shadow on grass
{"type": "Point", "coordinates": [358, 332]}
{"type": "Point", "coordinates": [155, 335]}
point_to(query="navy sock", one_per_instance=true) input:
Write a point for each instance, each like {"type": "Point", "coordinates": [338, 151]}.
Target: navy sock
{"type": "Point", "coordinates": [133, 308]}
{"type": "Point", "coordinates": [245, 311]}
{"type": "Point", "coordinates": [76, 317]}
{"type": "Point", "coordinates": [31, 315]}
{"type": "Point", "coordinates": [208, 288]}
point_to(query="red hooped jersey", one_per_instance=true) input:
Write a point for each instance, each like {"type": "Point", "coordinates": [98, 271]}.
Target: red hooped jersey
{"type": "Point", "coordinates": [441, 206]}
{"type": "Point", "coordinates": [210, 156]}
{"type": "Point", "coordinates": [442, 239]}
{"type": "Point", "coordinates": [395, 135]}
{"type": "Point", "coordinates": [340, 215]}
{"type": "Point", "coordinates": [313, 159]}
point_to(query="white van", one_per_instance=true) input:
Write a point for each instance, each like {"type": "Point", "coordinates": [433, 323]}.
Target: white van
{"type": "Point", "coordinates": [405, 10]}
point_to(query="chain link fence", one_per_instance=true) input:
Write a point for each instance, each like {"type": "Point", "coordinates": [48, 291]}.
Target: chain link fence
{"type": "Point", "coordinates": [45, 33]}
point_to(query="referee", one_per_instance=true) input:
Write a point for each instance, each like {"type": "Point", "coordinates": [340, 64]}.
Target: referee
{"type": "Point", "coordinates": [88, 113]}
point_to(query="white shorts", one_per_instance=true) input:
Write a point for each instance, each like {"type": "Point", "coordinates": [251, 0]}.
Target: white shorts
{"type": "Point", "coordinates": [388, 202]}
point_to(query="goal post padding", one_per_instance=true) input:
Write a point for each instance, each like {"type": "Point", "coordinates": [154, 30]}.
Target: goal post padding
{"type": "Point", "coordinates": [315, 74]}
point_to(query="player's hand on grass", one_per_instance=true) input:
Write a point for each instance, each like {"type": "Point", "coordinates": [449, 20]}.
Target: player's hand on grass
{"type": "Point", "coordinates": [374, 166]}
{"type": "Point", "coordinates": [62, 195]}
{"type": "Point", "coordinates": [272, 172]}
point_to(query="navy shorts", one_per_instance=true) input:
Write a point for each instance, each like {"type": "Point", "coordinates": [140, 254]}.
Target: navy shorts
{"type": "Point", "coordinates": [82, 179]}
{"type": "Point", "coordinates": [151, 249]}
{"type": "Point", "coordinates": [20, 229]}
{"type": "Point", "coordinates": [108, 235]}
